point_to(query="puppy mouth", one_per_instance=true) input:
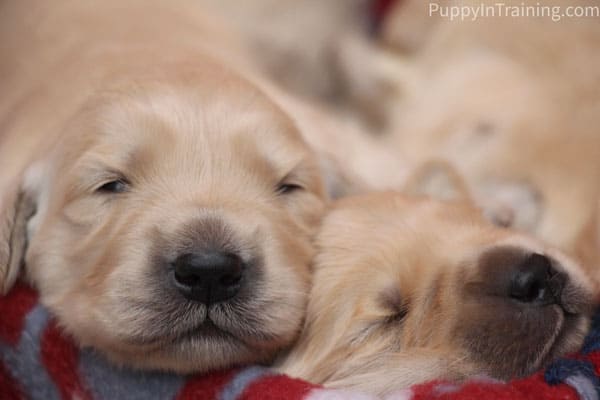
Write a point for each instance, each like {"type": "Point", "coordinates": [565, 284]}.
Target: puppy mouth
{"type": "Point", "coordinates": [206, 329]}
{"type": "Point", "coordinates": [564, 337]}
{"type": "Point", "coordinates": [573, 309]}
{"type": "Point", "coordinates": [551, 347]}
{"type": "Point", "coordinates": [519, 341]}
{"type": "Point", "coordinates": [561, 341]}
{"type": "Point", "coordinates": [183, 322]}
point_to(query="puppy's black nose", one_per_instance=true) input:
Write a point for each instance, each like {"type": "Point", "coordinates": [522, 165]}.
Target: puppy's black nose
{"type": "Point", "coordinates": [535, 281]}
{"type": "Point", "coordinates": [208, 277]}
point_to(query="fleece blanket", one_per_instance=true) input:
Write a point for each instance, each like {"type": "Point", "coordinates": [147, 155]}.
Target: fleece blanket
{"type": "Point", "coordinates": [39, 362]}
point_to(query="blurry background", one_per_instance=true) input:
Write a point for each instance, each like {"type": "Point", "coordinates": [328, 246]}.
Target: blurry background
{"type": "Point", "coordinates": [504, 95]}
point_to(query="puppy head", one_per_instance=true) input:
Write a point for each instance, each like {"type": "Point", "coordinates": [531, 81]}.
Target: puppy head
{"type": "Point", "coordinates": [410, 290]}
{"type": "Point", "coordinates": [173, 226]}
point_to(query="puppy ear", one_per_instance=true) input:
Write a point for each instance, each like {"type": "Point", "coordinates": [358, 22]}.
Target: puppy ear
{"type": "Point", "coordinates": [439, 180]}
{"type": "Point", "coordinates": [339, 182]}
{"type": "Point", "coordinates": [16, 208]}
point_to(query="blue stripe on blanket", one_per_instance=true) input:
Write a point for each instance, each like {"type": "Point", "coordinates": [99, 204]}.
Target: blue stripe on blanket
{"type": "Point", "coordinates": [109, 382]}
{"type": "Point", "coordinates": [584, 387]}
{"type": "Point", "coordinates": [578, 373]}
{"type": "Point", "coordinates": [592, 340]}
{"type": "Point", "coordinates": [24, 361]}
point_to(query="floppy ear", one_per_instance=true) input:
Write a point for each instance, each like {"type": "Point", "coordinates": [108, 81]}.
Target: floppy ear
{"type": "Point", "coordinates": [439, 180]}
{"type": "Point", "coordinates": [338, 181]}
{"type": "Point", "coordinates": [16, 208]}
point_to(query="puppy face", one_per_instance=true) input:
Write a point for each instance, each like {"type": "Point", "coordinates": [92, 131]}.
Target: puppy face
{"type": "Point", "coordinates": [411, 290]}
{"type": "Point", "coordinates": [173, 226]}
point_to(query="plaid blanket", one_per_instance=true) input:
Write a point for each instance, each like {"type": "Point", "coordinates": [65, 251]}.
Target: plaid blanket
{"type": "Point", "coordinates": [38, 362]}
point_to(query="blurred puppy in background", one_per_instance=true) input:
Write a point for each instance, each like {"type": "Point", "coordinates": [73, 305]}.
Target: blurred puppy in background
{"type": "Point", "coordinates": [513, 104]}
{"type": "Point", "coordinates": [298, 43]}
{"type": "Point", "coordinates": [322, 51]}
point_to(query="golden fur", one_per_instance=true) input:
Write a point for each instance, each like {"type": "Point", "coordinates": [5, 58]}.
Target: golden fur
{"type": "Point", "coordinates": [411, 289]}
{"type": "Point", "coordinates": [512, 104]}
{"type": "Point", "coordinates": [156, 95]}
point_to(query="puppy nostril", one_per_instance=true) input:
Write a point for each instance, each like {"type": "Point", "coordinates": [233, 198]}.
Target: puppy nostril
{"type": "Point", "coordinates": [208, 276]}
{"type": "Point", "coordinates": [526, 288]}
{"type": "Point", "coordinates": [533, 281]}
{"type": "Point", "coordinates": [185, 278]}
{"type": "Point", "coordinates": [230, 279]}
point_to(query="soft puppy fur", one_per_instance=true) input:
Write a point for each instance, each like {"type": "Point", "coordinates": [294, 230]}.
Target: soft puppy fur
{"type": "Point", "coordinates": [409, 289]}
{"type": "Point", "coordinates": [512, 103]}
{"type": "Point", "coordinates": [139, 155]}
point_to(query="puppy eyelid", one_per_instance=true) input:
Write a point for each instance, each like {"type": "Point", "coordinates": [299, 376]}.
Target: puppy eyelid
{"type": "Point", "coordinates": [288, 184]}
{"type": "Point", "coordinates": [396, 306]}
{"type": "Point", "coordinates": [398, 316]}
{"type": "Point", "coordinates": [113, 186]}
{"type": "Point", "coordinates": [287, 188]}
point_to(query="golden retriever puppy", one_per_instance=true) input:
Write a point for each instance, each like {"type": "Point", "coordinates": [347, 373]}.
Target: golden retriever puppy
{"type": "Point", "coordinates": [161, 202]}
{"type": "Point", "coordinates": [512, 102]}
{"type": "Point", "coordinates": [410, 289]}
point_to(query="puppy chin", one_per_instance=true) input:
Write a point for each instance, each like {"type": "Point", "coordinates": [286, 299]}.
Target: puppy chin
{"type": "Point", "coordinates": [173, 333]}
{"type": "Point", "coordinates": [193, 354]}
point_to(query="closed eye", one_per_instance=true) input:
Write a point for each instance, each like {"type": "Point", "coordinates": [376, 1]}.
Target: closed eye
{"type": "Point", "coordinates": [398, 316]}
{"type": "Point", "coordinates": [287, 188]}
{"type": "Point", "coordinates": [395, 305]}
{"type": "Point", "coordinates": [114, 186]}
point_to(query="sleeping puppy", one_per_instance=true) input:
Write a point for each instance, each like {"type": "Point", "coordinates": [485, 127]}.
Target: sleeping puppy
{"type": "Point", "coordinates": [158, 199]}
{"type": "Point", "coordinates": [410, 289]}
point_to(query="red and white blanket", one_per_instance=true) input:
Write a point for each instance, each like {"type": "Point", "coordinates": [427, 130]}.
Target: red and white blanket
{"type": "Point", "coordinates": [38, 362]}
